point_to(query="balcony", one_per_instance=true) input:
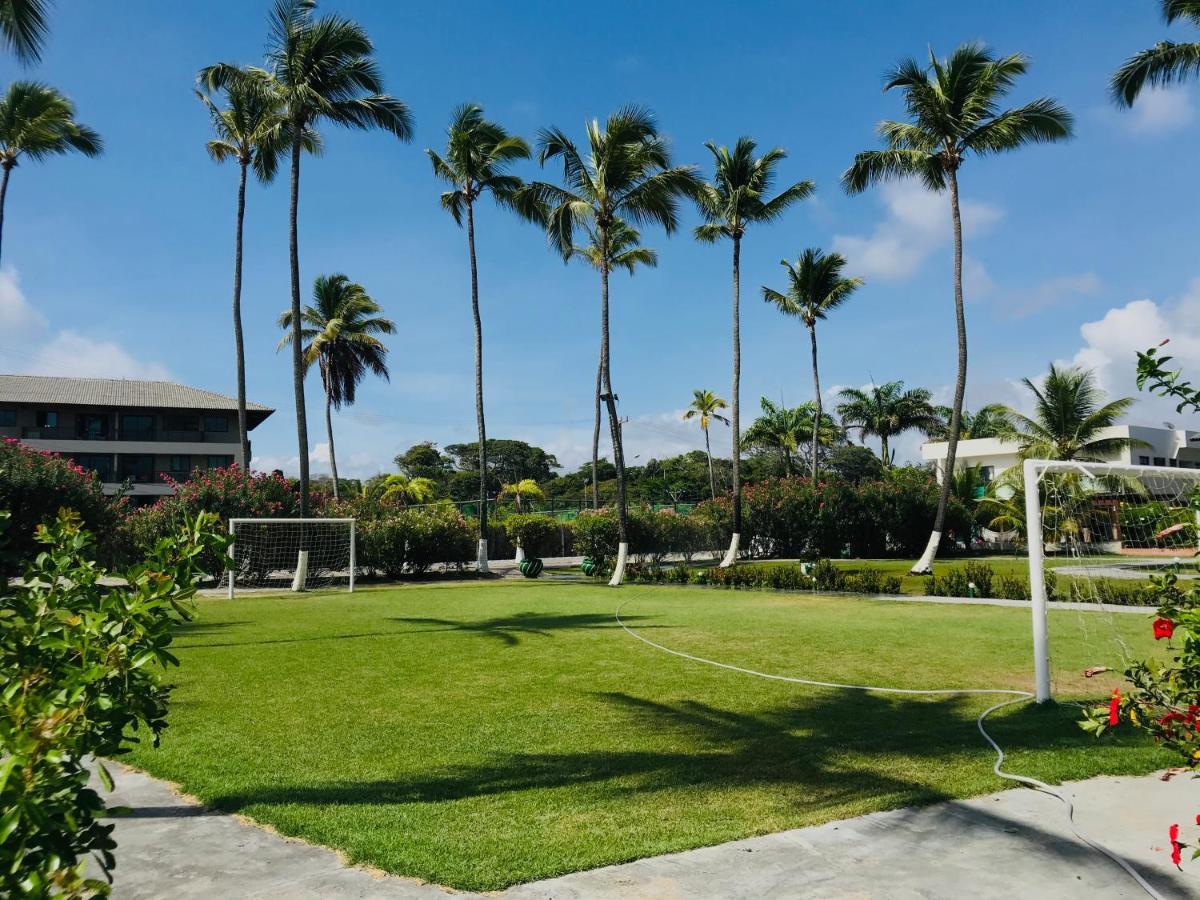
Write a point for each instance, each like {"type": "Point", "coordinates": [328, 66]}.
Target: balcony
{"type": "Point", "coordinates": [63, 433]}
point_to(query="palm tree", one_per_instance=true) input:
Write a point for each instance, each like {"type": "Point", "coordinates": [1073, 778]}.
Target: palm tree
{"type": "Point", "coordinates": [478, 153]}
{"type": "Point", "coordinates": [323, 71]}
{"type": "Point", "coordinates": [1164, 63]}
{"type": "Point", "coordinates": [37, 122]}
{"type": "Point", "coordinates": [705, 406]}
{"type": "Point", "coordinates": [408, 490]}
{"type": "Point", "coordinates": [624, 252]}
{"type": "Point", "coordinates": [785, 430]}
{"type": "Point", "coordinates": [954, 107]}
{"type": "Point", "coordinates": [989, 421]}
{"type": "Point", "coordinates": [737, 198]}
{"type": "Point", "coordinates": [525, 489]}
{"type": "Point", "coordinates": [626, 174]}
{"type": "Point", "coordinates": [251, 130]}
{"type": "Point", "coordinates": [340, 330]}
{"type": "Point", "coordinates": [815, 286]}
{"type": "Point", "coordinates": [23, 28]}
{"type": "Point", "coordinates": [1070, 414]}
{"type": "Point", "coordinates": [887, 410]}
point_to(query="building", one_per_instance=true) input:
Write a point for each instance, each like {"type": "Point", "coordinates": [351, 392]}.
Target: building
{"type": "Point", "coordinates": [1168, 447]}
{"type": "Point", "coordinates": [140, 432]}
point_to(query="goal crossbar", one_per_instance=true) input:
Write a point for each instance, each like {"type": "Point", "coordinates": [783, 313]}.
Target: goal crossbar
{"type": "Point", "coordinates": [301, 568]}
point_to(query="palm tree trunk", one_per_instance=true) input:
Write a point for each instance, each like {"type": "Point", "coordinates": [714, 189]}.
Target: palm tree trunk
{"type": "Point", "coordinates": [238, 336]}
{"type": "Point", "coordinates": [329, 432]}
{"type": "Point", "coordinates": [883, 448]}
{"type": "Point", "coordinates": [614, 424]}
{"type": "Point", "coordinates": [481, 561]}
{"type": "Point", "coordinates": [812, 333]}
{"type": "Point", "coordinates": [596, 437]}
{"type": "Point", "coordinates": [4, 193]}
{"type": "Point", "coordinates": [735, 417]}
{"type": "Point", "coordinates": [925, 563]}
{"type": "Point", "coordinates": [712, 482]}
{"type": "Point", "coordinates": [298, 369]}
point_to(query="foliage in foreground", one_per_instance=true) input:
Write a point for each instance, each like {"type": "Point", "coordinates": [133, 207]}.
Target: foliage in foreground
{"type": "Point", "coordinates": [81, 667]}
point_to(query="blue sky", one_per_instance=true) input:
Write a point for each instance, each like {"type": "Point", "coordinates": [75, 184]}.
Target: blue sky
{"type": "Point", "coordinates": [121, 266]}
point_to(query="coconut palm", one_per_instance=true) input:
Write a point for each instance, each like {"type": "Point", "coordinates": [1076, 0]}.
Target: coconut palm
{"type": "Point", "coordinates": [37, 122]}
{"type": "Point", "coordinates": [887, 410]}
{"type": "Point", "coordinates": [251, 130]}
{"type": "Point", "coordinates": [954, 109]}
{"type": "Point", "coordinates": [624, 252]}
{"type": "Point", "coordinates": [815, 287]}
{"type": "Point", "coordinates": [737, 197]}
{"type": "Point", "coordinates": [23, 28]}
{"type": "Point", "coordinates": [785, 430]}
{"type": "Point", "coordinates": [989, 421]}
{"type": "Point", "coordinates": [406, 490]}
{"type": "Point", "coordinates": [478, 154]}
{"type": "Point", "coordinates": [1164, 63]}
{"type": "Point", "coordinates": [525, 489]}
{"type": "Point", "coordinates": [627, 174]}
{"type": "Point", "coordinates": [705, 406]}
{"type": "Point", "coordinates": [1069, 417]}
{"type": "Point", "coordinates": [323, 71]}
{"type": "Point", "coordinates": [341, 333]}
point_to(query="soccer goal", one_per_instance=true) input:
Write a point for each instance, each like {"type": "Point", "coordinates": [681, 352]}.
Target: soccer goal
{"type": "Point", "coordinates": [300, 554]}
{"type": "Point", "coordinates": [1096, 534]}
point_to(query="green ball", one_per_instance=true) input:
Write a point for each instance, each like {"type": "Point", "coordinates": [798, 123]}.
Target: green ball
{"type": "Point", "coordinates": [588, 566]}
{"type": "Point", "coordinates": [531, 567]}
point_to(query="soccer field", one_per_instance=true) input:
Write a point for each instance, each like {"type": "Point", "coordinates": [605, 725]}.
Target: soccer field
{"type": "Point", "coordinates": [483, 734]}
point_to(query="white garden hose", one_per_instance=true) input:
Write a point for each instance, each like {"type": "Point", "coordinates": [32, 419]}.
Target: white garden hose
{"type": "Point", "coordinates": [1017, 697]}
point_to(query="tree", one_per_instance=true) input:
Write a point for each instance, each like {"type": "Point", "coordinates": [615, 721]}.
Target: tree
{"type": "Point", "coordinates": [1069, 418]}
{"type": "Point", "coordinates": [705, 406]}
{"type": "Point", "coordinates": [626, 174]}
{"type": "Point", "coordinates": [407, 490]}
{"type": "Point", "coordinates": [855, 464]}
{"type": "Point", "coordinates": [886, 410]}
{"type": "Point", "coordinates": [954, 108]}
{"type": "Point", "coordinates": [624, 252]}
{"type": "Point", "coordinates": [736, 198]}
{"type": "Point", "coordinates": [784, 431]}
{"type": "Point", "coordinates": [525, 489]}
{"type": "Point", "coordinates": [508, 461]}
{"type": "Point", "coordinates": [323, 71]}
{"type": "Point", "coordinates": [37, 122]}
{"type": "Point", "coordinates": [1164, 63]}
{"type": "Point", "coordinates": [251, 130]}
{"type": "Point", "coordinates": [23, 28]}
{"type": "Point", "coordinates": [815, 287]}
{"type": "Point", "coordinates": [478, 153]}
{"type": "Point", "coordinates": [423, 460]}
{"type": "Point", "coordinates": [341, 333]}
{"type": "Point", "coordinates": [989, 421]}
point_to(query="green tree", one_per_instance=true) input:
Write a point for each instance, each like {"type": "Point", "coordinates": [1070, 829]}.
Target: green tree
{"type": "Point", "coordinates": [406, 490]}
{"type": "Point", "coordinates": [37, 122]}
{"type": "Point", "coordinates": [478, 154]}
{"type": "Point", "coordinates": [508, 461]}
{"type": "Point", "coordinates": [525, 489]}
{"type": "Point", "coordinates": [323, 70]}
{"type": "Point", "coordinates": [424, 460]}
{"type": "Point", "coordinates": [341, 332]}
{"type": "Point", "coordinates": [887, 410]}
{"type": "Point", "coordinates": [954, 109]}
{"type": "Point", "coordinates": [706, 407]}
{"type": "Point", "coordinates": [989, 421]}
{"type": "Point", "coordinates": [737, 197]}
{"type": "Point", "coordinates": [785, 430]}
{"type": "Point", "coordinates": [624, 252]}
{"type": "Point", "coordinates": [1164, 63]}
{"type": "Point", "coordinates": [815, 287]}
{"type": "Point", "coordinates": [627, 174]}
{"type": "Point", "coordinates": [23, 28]}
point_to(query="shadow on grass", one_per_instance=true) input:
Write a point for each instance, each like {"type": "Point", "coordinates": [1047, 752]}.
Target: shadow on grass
{"type": "Point", "coordinates": [507, 628]}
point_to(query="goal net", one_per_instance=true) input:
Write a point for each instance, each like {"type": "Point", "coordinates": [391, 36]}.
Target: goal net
{"type": "Point", "coordinates": [1096, 535]}
{"type": "Point", "coordinates": [295, 554]}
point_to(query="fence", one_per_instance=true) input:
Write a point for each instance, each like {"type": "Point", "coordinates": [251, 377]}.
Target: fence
{"type": "Point", "coordinates": [563, 509]}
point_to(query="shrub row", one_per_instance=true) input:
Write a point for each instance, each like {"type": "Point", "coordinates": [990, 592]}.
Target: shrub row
{"type": "Point", "coordinates": [409, 542]}
{"type": "Point", "coordinates": [824, 577]}
{"type": "Point", "coordinates": [653, 536]}
{"type": "Point", "coordinates": [980, 580]}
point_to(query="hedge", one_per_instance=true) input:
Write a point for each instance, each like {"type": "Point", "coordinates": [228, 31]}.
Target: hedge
{"type": "Point", "coordinates": [410, 542]}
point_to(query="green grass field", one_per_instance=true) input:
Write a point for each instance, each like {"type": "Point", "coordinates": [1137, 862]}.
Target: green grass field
{"type": "Point", "coordinates": [483, 734]}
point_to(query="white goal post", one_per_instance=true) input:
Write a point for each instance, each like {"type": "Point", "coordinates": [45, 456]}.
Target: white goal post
{"type": "Point", "coordinates": [295, 554]}
{"type": "Point", "coordinates": [1102, 520]}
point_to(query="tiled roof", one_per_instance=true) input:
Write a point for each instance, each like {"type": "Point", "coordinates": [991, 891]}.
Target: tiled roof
{"type": "Point", "coordinates": [114, 392]}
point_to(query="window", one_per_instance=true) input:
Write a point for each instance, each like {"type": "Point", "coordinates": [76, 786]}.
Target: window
{"type": "Point", "coordinates": [47, 418]}
{"type": "Point", "coordinates": [138, 468]}
{"type": "Point", "coordinates": [181, 423]}
{"type": "Point", "coordinates": [1173, 463]}
{"type": "Point", "coordinates": [219, 462]}
{"type": "Point", "coordinates": [1159, 461]}
{"type": "Point", "coordinates": [180, 465]}
{"type": "Point", "coordinates": [987, 473]}
{"type": "Point", "coordinates": [100, 463]}
{"type": "Point", "coordinates": [1143, 460]}
{"type": "Point", "coordinates": [8, 417]}
{"type": "Point", "coordinates": [216, 423]}
{"type": "Point", "coordinates": [91, 426]}
{"type": "Point", "coordinates": [137, 427]}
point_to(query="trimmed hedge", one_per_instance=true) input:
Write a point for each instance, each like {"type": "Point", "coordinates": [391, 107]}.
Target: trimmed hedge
{"type": "Point", "coordinates": [825, 577]}
{"type": "Point", "coordinates": [410, 542]}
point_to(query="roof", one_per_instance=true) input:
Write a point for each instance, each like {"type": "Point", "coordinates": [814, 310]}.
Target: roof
{"type": "Point", "coordinates": [116, 392]}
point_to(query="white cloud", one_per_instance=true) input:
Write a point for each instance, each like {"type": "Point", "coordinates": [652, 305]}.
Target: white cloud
{"type": "Point", "coordinates": [1046, 294]}
{"type": "Point", "coordinates": [18, 319]}
{"type": "Point", "coordinates": [917, 222]}
{"type": "Point", "coordinates": [351, 464]}
{"type": "Point", "coordinates": [1160, 110]}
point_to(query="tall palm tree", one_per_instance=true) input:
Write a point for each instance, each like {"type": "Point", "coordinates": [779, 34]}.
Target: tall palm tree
{"type": "Point", "coordinates": [624, 252]}
{"type": "Point", "coordinates": [706, 407]}
{"type": "Point", "coordinates": [37, 122]}
{"type": "Point", "coordinates": [251, 130]}
{"type": "Point", "coordinates": [1164, 63]}
{"type": "Point", "coordinates": [785, 430]}
{"type": "Point", "coordinates": [23, 28]}
{"type": "Point", "coordinates": [341, 332]}
{"type": "Point", "coordinates": [815, 287]}
{"type": "Point", "coordinates": [739, 196]}
{"type": "Point", "coordinates": [478, 154]}
{"type": "Point", "coordinates": [954, 109]}
{"type": "Point", "coordinates": [989, 421]}
{"type": "Point", "coordinates": [626, 173]}
{"type": "Point", "coordinates": [323, 71]}
{"type": "Point", "coordinates": [887, 410]}
{"type": "Point", "coordinates": [1070, 412]}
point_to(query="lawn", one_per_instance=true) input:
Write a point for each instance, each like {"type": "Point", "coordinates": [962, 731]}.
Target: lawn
{"type": "Point", "coordinates": [483, 734]}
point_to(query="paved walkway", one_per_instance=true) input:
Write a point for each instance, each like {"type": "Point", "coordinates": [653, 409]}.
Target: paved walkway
{"type": "Point", "coordinates": [1012, 844]}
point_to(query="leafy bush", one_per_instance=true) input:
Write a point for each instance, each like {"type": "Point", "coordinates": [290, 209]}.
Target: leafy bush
{"type": "Point", "coordinates": [1106, 590]}
{"type": "Point", "coordinates": [411, 541]}
{"type": "Point", "coordinates": [596, 535]}
{"type": "Point", "coordinates": [537, 534]}
{"type": "Point", "coordinates": [81, 663]}
{"type": "Point", "coordinates": [34, 486]}
{"type": "Point", "coordinates": [824, 577]}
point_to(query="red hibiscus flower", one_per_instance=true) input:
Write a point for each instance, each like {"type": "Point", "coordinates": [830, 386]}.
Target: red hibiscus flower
{"type": "Point", "coordinates": [1176, 847]}
{"type": "Point", "coordinates": [1163, 628]}
{"type": "Point", "coordinates": [1114, 708]}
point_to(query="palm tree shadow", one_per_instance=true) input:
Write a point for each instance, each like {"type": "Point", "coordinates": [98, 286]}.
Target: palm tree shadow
{"type": "Point", "coordinates": [508, 629]}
